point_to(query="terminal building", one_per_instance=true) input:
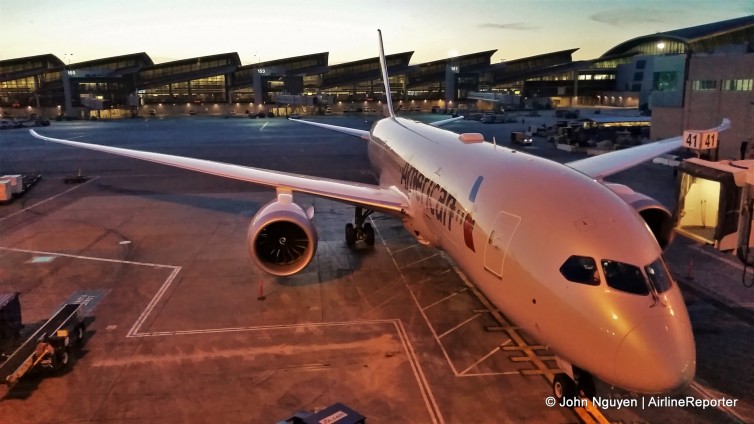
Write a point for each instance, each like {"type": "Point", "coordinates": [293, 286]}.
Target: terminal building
{"type": "Point", "coordinates": [687, 78]}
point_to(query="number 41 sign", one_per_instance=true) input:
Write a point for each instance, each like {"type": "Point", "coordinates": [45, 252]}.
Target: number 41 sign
{"type": "Point", "coordinates": [700, 140]}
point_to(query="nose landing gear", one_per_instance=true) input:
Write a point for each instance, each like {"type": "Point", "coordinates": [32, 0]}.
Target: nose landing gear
{"type": "Point", "coordinates": [360, 230]}
{"type": "Point", "coordinates": [573, 383]}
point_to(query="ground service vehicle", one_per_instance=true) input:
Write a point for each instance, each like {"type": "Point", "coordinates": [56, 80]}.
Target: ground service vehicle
{"type": "Point", "coordinates": [47, 347]}
{"type": "Point", "coordinates": [518, 137]}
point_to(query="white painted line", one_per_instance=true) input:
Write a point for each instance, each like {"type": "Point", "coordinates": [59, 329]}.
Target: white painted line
{"type": "Point", "coordinates": [438, 416]}
{"type": "Point", "coordinates": [416, 302]}
{"type": "Point", "coordinates": [155, 299]}
{"type": "Point", "coordinates": [140, 320]}
{"type": "Point", "coordinates": [420, 282]}
{"type": "Point", "coordinates": [265, 124]}
{"type": "Point", "coordinates": [446, 298]}
{"type": "Point", "coordinates": [707, 394]}
{"type": "Point", "coordinates": [488, 374]}
{"type": "Point", "coordinates": [426, 389]}
{"type": "Point", "coordinates": [46, 200]}
{"type": "Point", "coordinates": [492, 352]}
{"type": "Point", "coordinates": [420, 260]}
{"type": "Point", "coordinates": [428, 278]}
{"type": "Point", "coordinates": [401, 235]}
{"type": "Point", "coordinates": [473, 317]}
{"type": "Point", "coordinates": [412, 246]}
{"type": "Point", "coordinates": [253, 328]}
{"type": "Point", "coordinates": [734, 264]}
{"type": "Point", "coordinates": [429, 323]}
{"type": "Point", "coordinates": [90, 258]}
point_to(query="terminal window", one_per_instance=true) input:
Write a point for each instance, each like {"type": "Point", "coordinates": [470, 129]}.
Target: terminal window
{"type": "Point", "coordinates": [704, 85]}
{"type": "Point", "coordinates": [737, 85]}
{"type": "Point", "coordinates": [665, 81]}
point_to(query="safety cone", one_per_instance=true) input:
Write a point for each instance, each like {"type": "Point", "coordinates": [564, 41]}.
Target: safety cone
{"type": "Point", "coordinates": [261, 290]}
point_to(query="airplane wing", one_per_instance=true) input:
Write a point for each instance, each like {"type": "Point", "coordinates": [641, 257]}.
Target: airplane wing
{"type": "Point", "coordinates": [445, 121]}
{"type": "Point", "coordinates": [362, 133]}
{"type": "Point", "coordinates": [345, 130]}
{"type": "Point", "coordinates": [384, 199]}
{"type": "Point", "coordinates": [601, 166]}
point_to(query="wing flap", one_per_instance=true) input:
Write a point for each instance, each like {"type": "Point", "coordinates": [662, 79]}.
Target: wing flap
{"type": "Point", "coordinates": [384, 199]}
{"type": "Point", "coordinates": [601, 166]}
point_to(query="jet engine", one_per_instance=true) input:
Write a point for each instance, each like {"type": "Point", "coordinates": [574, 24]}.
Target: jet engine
{"type": "Point", "coordinates": [655, 215]}
{"type": "Point", "coordinates": [282, 239]}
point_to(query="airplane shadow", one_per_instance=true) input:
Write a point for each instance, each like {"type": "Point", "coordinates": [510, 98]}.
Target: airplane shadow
{"type": "Point", "coordinates": [333, 260]}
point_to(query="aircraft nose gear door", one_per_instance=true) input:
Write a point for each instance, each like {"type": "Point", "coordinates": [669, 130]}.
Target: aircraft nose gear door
{"type": "Point", "coordinates": [497, 244]}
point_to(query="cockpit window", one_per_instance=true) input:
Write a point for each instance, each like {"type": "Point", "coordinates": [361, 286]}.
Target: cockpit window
{"type": "Point", "coordinates": [625, 277]}
{"type": "Point", "coordinates": [581, 269]}
{"type": "Point", "coordinates": [658, 275]}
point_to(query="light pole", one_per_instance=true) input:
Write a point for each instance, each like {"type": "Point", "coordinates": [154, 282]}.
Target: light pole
{"type": "Point", "coordinates": [67, 84]}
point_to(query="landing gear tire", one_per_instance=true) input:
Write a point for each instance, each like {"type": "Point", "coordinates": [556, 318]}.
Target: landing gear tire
{"type": "Point", "coordinates": [360, 230]}
{"type": "Point", "coordinates": [563, 387]}
{"type": "Point", "coordinates": [350, 235]}
{"type": "Point", "coordinates": [368, 234]}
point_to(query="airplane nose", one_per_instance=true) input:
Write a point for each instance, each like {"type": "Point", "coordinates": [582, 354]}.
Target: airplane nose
{"type": "Point", "coordinates": [657, 357]}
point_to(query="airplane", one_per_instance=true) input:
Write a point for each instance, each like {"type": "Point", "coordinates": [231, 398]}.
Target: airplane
{"type": "Point", "coordinates": [571, 259]}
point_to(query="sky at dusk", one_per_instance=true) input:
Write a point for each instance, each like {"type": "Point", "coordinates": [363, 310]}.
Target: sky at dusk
{"type": "Point", "coordinates": [80, 30]}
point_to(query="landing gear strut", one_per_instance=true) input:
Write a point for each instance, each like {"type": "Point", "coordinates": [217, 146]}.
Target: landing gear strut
{"type": "Point", "coordinates": [360, 230]}
{"type": "Point", "coordinates": [573, 383]}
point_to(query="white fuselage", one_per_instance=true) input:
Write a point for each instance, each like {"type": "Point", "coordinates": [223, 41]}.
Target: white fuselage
{"type": "Point", "coordinates": [510, 220]}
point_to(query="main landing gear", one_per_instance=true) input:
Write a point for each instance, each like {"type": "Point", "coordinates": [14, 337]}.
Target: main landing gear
{"type": "Point", "coordinates": [572, 384]}
{"type": "Point", "coordinates": [360, 230]}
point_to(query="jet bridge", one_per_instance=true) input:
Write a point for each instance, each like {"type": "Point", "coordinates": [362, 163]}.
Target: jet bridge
{"type": "Point", "coordinates": [714, 203]}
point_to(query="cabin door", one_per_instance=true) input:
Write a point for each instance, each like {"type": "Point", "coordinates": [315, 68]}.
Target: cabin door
{"type": "Point", "coordinates": [498, 242]}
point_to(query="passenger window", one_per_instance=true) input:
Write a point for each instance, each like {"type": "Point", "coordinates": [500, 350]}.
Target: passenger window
{"type": "Point", "coordinates": [625, 277]}
{"type": "Point", "coordinates": [659, 276]}
{"type": "Point", "coordinates": [581, 269]}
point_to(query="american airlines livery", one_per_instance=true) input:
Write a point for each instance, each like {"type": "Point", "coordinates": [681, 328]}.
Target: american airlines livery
{"type": "Point", "coordinates": [573, 260]}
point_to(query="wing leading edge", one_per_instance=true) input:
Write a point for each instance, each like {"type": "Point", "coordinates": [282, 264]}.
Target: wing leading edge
{"type": "Point", "coordinates": [345, 130]}
{"type": "Point", "coordinates": [384, 199]}
{"type": "Point", "coordinates": [601, 166]}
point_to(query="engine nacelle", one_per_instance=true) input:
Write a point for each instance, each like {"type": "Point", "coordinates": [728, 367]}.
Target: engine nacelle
{"type": "Point", "coordinates": [282, 239]}
{"type": "Point", "coordinates": [657, 217]}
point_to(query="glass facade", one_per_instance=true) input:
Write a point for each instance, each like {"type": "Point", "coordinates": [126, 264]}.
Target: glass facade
{"type": "Point", "coordinates": [737, 85]}
{"type": "Point", "coordinates": [183, 67]}
{"type": "Point", "coordinates": [704, 85]}
{"type": "Point", "coordinates": [22, 80]}
{"type": "Point", "coordinates": [209, 90]}
{"type": "Point", "coordinates": [665, 81]}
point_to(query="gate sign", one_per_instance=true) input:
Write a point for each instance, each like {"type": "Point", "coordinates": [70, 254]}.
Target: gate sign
{"type": "Point", "coordinates": [700, 140]}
